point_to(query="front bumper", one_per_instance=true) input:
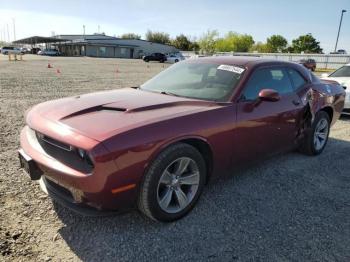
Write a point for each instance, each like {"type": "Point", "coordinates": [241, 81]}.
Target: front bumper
{"type": "Point", "coordinates": [74, 188]}
{"type": "Point", "coordinates": [64, 197]}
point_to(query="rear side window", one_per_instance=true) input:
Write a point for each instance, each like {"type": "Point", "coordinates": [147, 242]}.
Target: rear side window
{"type": "Point", "coordinates": [267, 78]}
{"type": "Point", "coordinates": [296, 77]}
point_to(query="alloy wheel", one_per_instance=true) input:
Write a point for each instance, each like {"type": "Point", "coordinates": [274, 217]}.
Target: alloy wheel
{"type": "Point", "coordinates": [178, 185]}
{"type": "Point", "coordinates": [321, 134]}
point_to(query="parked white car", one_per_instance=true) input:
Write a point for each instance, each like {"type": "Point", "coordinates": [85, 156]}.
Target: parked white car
{"type": "Point", "coordinates": [342, 76]}
{"type": "Point", "coordinates": [11, 50]}
{"type": "Point", "coordinates": [49, 52]}
{"type": "Point", "coordinates": [174, 58]}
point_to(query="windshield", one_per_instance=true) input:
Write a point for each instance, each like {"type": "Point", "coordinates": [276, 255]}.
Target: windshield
{"type": "Point", "coordinates": [203, 81]}
{"type": "Point", "coordinates": [341, 72]}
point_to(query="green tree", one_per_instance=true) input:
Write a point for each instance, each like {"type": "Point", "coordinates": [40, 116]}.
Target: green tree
{"type": "Point", "coordinates": [208, 41]}
{"type": "Point", "coordinates": [194, 46]}
{"type": "Point", "coordinates": [181, 42]}
{"type": "Point", "coordinates": [276, 43]}
{"type": "Point", "coordinates": [306, 43]}
{"type": "Point", "coordinates": [130, 36]}
{"type": "Point", "coordinates": [261, 48]}
{"type": "Point", "coordinates": [234, 42]}
{"type": "Point", "coordinates": [158, 37]}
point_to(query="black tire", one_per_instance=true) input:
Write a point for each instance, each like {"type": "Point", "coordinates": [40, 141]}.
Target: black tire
{"type": "Point", "coordinates": [176, 60]}
{"type": "Point", "coordinates": [148, 196]}
{"type": "Point", "coordinates": [162, 61]}
{"type": "Point", "coordinates": [308, 146]}
{"type": "Point", "coordinates": [146, 60]}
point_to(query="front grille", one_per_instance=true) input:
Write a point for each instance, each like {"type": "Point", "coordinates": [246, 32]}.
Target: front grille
{"type": "Point", "coordinates": [54, 142]}
{"type": "Point", "coordinates": [63, 153]}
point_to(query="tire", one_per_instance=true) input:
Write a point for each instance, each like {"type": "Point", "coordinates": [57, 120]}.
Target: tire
{"type": "Point", "coordinates": [152, 201]}
{"type": "Point", "coordinates": [310, 146]}
{"type": "Point", "coordinates": [176, 60]}
{"type": "Point", "coordinates": [146, 60]}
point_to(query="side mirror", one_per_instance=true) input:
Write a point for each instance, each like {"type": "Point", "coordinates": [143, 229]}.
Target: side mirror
{"type": "Point", "coordinates": [324, 75]}
{"type": "Point", "coordinates": [269, 95]}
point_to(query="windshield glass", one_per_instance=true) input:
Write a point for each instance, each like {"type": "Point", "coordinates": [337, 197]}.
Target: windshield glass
{"type": "Point", "coordinates": [204, 81]}
{"type": "Point", "coordinates": [342, 72]}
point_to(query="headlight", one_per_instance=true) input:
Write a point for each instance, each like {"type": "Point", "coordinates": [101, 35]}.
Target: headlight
{"type": "Point", "coordinates": [84, 156]}
{"type": "Point", "coordinates": [81, 153]}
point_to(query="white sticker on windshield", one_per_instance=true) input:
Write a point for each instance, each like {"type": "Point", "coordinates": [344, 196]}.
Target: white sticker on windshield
{"type": "Point", "coordinates": [234, 69]}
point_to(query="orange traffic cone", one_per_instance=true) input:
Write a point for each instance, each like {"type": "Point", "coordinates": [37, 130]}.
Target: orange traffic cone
{"type": "Point", "coordinates": [49, 65]}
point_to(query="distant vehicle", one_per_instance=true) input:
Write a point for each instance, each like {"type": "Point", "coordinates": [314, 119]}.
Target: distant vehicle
{"type": "Point", "coordinates": [35, 50]}
{"type": "Point", "coordinates": [308, 63]}
{"type": "Point", "coordinates": [174, 58]}
{"type": "Point", "coordinates": [342, 76]}
{"type": "Point", "coordinates": [25, 50]}
{"type": "Point", "coordinates": [49, 52]}
{"type": "Point", "coordinates": [339, 52]}
{"type": "Point", "coordinates": [155, 57]}
{"type": "Point", "coordinates": [11, 49]}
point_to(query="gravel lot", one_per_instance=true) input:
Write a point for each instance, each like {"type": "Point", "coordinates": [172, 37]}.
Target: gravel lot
{"type": "Point", "coordinates": [290, 208]}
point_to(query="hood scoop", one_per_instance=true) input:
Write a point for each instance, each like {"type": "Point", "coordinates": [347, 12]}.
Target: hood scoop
{"type": "Point", "coordinates": [95, 109]}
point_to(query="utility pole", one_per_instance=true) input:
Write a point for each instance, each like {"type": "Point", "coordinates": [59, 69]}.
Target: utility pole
{"type": "Point", "coordinates": [14, 29]}
{"type": "Point", "coordinates": [84, 30]}
{"type": "Point", "coordinates": [341, 20]}
{"type": "Point", "coordinates": [98, 30]}
{"type": "Point", "coordinates": [8, 33]}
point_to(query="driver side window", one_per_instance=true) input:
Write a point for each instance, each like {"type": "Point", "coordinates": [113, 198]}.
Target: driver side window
{"type": "Point", "coordinates": [267, 78]}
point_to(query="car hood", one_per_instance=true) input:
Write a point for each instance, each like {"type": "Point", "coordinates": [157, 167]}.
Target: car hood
{"type": "Point", "coordinates": [344, 81]}
{"type": "Point", "coordinates": [104, 114]}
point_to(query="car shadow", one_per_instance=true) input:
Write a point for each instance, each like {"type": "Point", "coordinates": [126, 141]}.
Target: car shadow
{"type": "Point", "coordinates": [291, 207]}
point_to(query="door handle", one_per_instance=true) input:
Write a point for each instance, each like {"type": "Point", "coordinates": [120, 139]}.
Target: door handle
{"type": "Point", "coordinates": [296, 102]}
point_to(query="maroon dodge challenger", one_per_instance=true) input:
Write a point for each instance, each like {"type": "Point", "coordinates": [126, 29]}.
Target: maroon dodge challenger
{"type": "Point", "coordinates": [154, 147]}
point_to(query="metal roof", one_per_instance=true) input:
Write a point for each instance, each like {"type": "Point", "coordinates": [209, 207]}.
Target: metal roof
{"type": "Point", "coordinates": [39, 40]}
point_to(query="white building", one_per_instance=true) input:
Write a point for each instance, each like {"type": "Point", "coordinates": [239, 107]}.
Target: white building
{"type": "Point", "coordinates": [99, 45]}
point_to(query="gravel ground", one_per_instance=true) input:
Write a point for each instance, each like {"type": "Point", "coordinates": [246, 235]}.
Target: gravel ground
{"type": "Point", "coordinates": [289, 208]}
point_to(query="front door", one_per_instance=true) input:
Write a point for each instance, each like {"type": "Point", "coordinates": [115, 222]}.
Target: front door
{"type": "Point", "coordinates": [265, 128]}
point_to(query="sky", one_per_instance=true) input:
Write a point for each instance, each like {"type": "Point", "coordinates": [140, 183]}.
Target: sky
{"type": "Point", "coordinates": [260, 19]}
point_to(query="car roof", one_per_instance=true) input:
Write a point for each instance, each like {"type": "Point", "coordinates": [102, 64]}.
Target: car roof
{"type": "Point", "coordinates": [240, 60]}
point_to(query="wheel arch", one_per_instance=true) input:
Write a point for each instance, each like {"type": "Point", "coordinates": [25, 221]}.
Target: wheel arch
{"type": "Point", "coordinates": [199, 143]}
{"type": "Point", "coordinates": [329, 110]}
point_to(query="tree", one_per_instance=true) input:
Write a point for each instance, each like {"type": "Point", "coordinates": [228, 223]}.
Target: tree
{"type": "Point", "coordinates": [158, 37]}
{"type": "Point", "coordinates": [181, 42]}
{"type": "Point", "coordinates": [130, 36]}
{"type": "Point", "coordinates": [306, 43]}
{"type": "Point", "coordinates": [276, 43]}
{"type": "Point", "coordinates": [234, 42]}
{"type": "Point", "coordinates": [207, 41]}
{"type": "Point", "coordinates": [261, 48]}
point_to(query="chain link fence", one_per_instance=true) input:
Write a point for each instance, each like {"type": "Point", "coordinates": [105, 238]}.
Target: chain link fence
{"type": "Point", "coordinates": [322, 60]}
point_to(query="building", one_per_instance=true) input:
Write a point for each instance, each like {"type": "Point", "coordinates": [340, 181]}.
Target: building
{"type": "Point", "coordinates": [100, 45]}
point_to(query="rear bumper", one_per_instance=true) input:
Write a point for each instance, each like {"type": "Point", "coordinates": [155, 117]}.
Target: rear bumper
{"type": "Point", "coordinates": [347, 101]}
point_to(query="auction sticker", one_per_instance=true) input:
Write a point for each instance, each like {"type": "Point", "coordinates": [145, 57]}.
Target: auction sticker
{"type": "Point", "coordinates": [234, 69]}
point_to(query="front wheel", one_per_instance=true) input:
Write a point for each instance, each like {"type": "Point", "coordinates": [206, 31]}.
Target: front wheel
{"type": "Point", "coordinates": [316, 137]}
{"type": "Point", "coordinates": [173, 183]}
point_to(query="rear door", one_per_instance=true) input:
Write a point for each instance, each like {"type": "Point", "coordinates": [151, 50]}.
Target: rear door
{"type": "Point", "coordinates": [265, 128]}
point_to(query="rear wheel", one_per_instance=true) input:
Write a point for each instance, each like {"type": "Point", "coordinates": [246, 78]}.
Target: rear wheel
{"type": "Point", "coordinates": [173, 183]}
{"type": "Point", "coordinates": [176, 60]}
{"type": "Point", "coordinates": [317, 136]}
